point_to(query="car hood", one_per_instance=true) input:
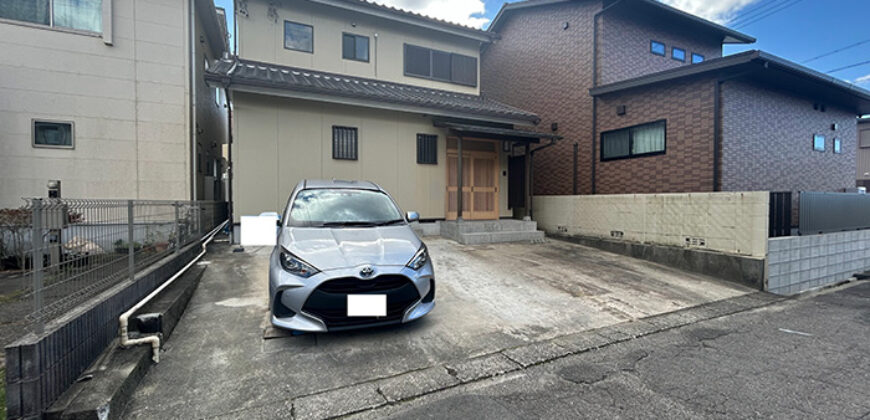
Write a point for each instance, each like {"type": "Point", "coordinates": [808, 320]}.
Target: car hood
{"type": "Point", "coordinates": [335, 248]}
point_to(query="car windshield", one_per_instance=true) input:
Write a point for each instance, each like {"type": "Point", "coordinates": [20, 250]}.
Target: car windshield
{"type": "Point", "coordinates": [343, 207]}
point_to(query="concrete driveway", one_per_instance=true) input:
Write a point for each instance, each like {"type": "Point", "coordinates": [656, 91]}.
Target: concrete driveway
{"type": "Point", "coordinates": [224, 360]}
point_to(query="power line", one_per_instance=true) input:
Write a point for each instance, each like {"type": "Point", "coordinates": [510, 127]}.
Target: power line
{"type": "Point", "coordinates": [863, 63]}
{"type": "Point", "coordinates": [760, 8]}
{"type": "Point", "coordinates": [768, 14]}
{"type": "Point", "coordinates": [837, 50]}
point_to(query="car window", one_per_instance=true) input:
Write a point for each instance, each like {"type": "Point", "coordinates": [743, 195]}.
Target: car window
{"type": "Point", "coordinates": [337, 207]}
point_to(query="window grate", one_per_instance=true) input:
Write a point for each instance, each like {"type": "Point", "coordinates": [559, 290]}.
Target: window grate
{"type": "Point", "coordinates": [427, 149]}
{"type": "Point", "coordinates": [344, 143]}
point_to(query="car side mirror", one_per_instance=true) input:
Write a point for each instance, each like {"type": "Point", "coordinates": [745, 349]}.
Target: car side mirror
{"type": "Point", "coordinates": [413, 216]}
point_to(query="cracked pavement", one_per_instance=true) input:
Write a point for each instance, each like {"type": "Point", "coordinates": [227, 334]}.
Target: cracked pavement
{"type": "Point", "coordinates": [500, 309]}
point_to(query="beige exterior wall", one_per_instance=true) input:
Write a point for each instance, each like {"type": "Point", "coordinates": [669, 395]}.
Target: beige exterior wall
{"type": "Point", "coordinates": [277, 142]}
{"type": "Point", "coordinates": [129, 102]}
{"type": "Point", "coordinates": [261, 38]}
{"type": "Point", "coordinates": [732, 222]}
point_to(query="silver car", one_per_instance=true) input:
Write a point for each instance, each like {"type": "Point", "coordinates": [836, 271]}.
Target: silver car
{"type": "Point", "coordinates": [347, 258]}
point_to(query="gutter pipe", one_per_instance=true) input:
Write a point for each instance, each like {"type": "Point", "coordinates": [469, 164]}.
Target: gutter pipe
{"type": "Point", "coordinates": [154, 340]}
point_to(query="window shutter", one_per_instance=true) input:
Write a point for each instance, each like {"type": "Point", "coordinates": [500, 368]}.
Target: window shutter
{"type": "Point", "coordinates": [417, 61]}
{"type": "Point", "coordinates": [441, 65]}
{"type": "Point", "coordinates": [464, 69]}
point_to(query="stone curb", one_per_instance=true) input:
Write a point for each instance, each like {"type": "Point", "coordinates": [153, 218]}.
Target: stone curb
{"type": "Point", "coordinates": [376, 393]}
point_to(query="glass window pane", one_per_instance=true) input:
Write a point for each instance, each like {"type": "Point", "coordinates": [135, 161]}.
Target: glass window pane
{"type": "Point", "coordinates": [614, 144]}
{"type": "Point", "coordinates": [837, 146]}
{"type": "Point", "coordinates": [86, 15]}
{"type": "Point", "coordinates": [314, 208]}
{"type": "Point", "coordinates": [648, 138]}
{"type": "Point", "coordinates": [362, 48]}
{"type": "Point", "coordinates": [52, 134]}
{"type": "Point", "coordinates": [298, 37]}
{"type": "Point", "coordinates": [697, 58]}
{"type": "Point", "coordinates": [33, 11]}
{"type": "Point", "coordinates": [819, 143]}
{"type": "Point", "coordinates": [347, 46]}
{"type": "Point", "coordinates": [417, 61]}
{"type": "Point", "coordinates": [678, 54]}
{"type": "Point", "coordinates": [657, 48]}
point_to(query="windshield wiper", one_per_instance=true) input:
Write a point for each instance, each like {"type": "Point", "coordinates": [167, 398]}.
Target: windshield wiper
{"type": "Point", "coordinates": [358, 224]}
{"type": "Point", "coordinates": [391, 222]}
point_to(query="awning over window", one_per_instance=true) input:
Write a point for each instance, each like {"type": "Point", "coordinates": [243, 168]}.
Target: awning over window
{"type": "Point", "coordinates": [496, 133]}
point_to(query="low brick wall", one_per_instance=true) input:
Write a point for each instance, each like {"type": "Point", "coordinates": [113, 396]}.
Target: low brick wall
{"type": "Point", "coordinates": [729, 222]}
{"type": "Point", "coordinates": [40, 368]}
{"type": "Point", "coordinates": [799, 263]}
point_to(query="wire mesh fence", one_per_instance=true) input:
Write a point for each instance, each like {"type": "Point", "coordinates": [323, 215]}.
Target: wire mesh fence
{"type": "Point", "coordinates": [67, 251]}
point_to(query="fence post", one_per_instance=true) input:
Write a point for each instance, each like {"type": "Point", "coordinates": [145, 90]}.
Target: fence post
{"type": "Point", "coordinates": [131, 251]}
{"type": "Point", "coordinates": [177, 228]}
{"type": "Point", "coordinates": [37, 263]}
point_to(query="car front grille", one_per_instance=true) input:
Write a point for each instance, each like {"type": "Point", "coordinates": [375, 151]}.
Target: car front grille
{"type": "Point", "coordinates": [329, 301]}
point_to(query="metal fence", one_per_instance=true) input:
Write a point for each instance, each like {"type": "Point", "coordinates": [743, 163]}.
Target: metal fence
{"type": "Point", "coordinates": [70, 250]}
{"type": "Point", "coordinates": [780, 214]}
{"type": "Point", "coordinates": [822, 212]}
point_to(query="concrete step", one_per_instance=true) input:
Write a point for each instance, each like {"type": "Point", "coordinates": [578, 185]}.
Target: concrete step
{"type": "Point", "coordinates": [480, 238]}
{"type": "Point", "coordinates": [505, 225]}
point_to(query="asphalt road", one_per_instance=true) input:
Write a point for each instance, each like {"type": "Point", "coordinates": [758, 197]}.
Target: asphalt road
{"type": "Point", "coordinates": [498, 308]}
{"type": "Point", "coordinates": [799, 358]}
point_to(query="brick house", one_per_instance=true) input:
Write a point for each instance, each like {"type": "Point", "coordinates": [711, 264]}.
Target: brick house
{"type": "Point", "coordinates": [647, 104]}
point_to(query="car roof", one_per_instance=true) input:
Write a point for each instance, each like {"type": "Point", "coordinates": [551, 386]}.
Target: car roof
{"type": "Point", "coordinates": [337, 183]}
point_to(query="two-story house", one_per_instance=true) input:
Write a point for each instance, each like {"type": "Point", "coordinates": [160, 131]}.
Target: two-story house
{"type": "Point", "coordinates": [107, 96]}
{"type": "Point", "coordinates": [648, 104]}
{"type": "Point", "coordinates": [349, 89]}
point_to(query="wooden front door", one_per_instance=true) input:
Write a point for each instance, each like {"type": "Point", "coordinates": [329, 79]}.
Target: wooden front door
{"type": "Point", "coordinates": [479, 181]}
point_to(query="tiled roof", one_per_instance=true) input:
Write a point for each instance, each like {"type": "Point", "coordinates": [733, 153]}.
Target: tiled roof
{"type": "Point", "coordinates": [397, 10]}
{"type": "Point", "coordinates": [238, 72]}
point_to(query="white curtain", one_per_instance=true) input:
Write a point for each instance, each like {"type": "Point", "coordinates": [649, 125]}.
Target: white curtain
{"type": "Point", "coordinates": [86, 15]}
{"type": "Point", "coordinates": [648, 139]}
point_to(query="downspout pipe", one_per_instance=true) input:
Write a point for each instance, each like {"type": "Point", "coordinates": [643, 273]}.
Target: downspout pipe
{"type": "Point", "coordinates": [532, 174]}
{"type": "Point", "coordinates": [595, 84]}
{"type": "Point", "coordinates": [154, 340]}
{"type": "Point", "coordinates": [192, 62]}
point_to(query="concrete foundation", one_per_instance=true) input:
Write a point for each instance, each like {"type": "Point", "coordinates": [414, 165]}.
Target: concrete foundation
{"type": "Point", "coordinates": [479, 232]}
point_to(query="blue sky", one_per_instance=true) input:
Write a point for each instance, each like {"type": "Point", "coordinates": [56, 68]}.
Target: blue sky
{"type": "Point", "coordinates": [797, 30]}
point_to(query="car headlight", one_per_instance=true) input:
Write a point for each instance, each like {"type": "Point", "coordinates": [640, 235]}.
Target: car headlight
{"type": "Point", "coordinates": [294, 265]}
{"type": "Point", "coordinates": [420, 258]}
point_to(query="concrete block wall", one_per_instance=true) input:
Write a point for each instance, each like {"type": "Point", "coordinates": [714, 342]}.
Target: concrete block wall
{"type": "Point", "coordinates": [734, 223]}
{"type": "Point", "coordinates": [799, 263]}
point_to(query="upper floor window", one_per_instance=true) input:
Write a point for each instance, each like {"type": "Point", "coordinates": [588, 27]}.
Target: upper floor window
{"type": "Point", "coordinates": [298, 37]}
{"type": "Point", "coordinates": [83, 15]}
{"type": "Point", "coordinates": [657, 48]}
{"type": "Point", "coordinates": [439, 65]}
{"type": "Point", "coordinates": [819, 143]}
{"type": "Point", "coordinates": [697, 58]}
{"type": "Point", "coordinates": [54, 134]}
{"type": "Point", "coordinates": [678, 54]}
{"type": "Point", "coordinates": [838, 146]}
{"type": "Point", "coordinates": [355, 47]}
{"type": "Point", "coordinates": [640, 140]}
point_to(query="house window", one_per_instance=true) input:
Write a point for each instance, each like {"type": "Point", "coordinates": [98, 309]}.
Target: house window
{"type": "Point", "coordinates": [298, 37]}
{"type": "Point", "coordinates": [53, 134]}
{"type": "Point", "coordinates": [819, 143]}
{"type": "Point", "coordinates": [678, 54]}
{"type": "Point", "coordinates": [355, 47]}
{"type": "Point", "coordinates": [838, 147]}
{"type": "Point", "coordinates": [344, 143]}
{"type": "Point", "coordinates": [83, 15]}
{"type": "Point", "coordinates": [640, 140]}
{"type": "Point", "coordinates": [864, 138]}
{"type": "Point", "coordinates": [439, 65]}
{"type": "Point", "coordinates": [697, 58]}
{"type": "Point", "coordinates": [427, 149]}
{"type": "Point", "coordinates": [657, 48]}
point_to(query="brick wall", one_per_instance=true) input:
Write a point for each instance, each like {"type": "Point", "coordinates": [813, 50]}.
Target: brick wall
{"type": "Point", "coordinates": [687, 165]}
{"type": "Point", "coordinates": [624, 50]}
{"type": "Point", "coordinates": [541, 67]}
{"type": "Point", "coordinates": [767, 139]}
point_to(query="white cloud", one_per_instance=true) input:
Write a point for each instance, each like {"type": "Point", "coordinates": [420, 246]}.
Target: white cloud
{"type": "Point", "coordinates": [720, 11]}
{"type": "Point", "coordinates": [862, 80]}
{"type": "Point", "coordinates": [463, 12]}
